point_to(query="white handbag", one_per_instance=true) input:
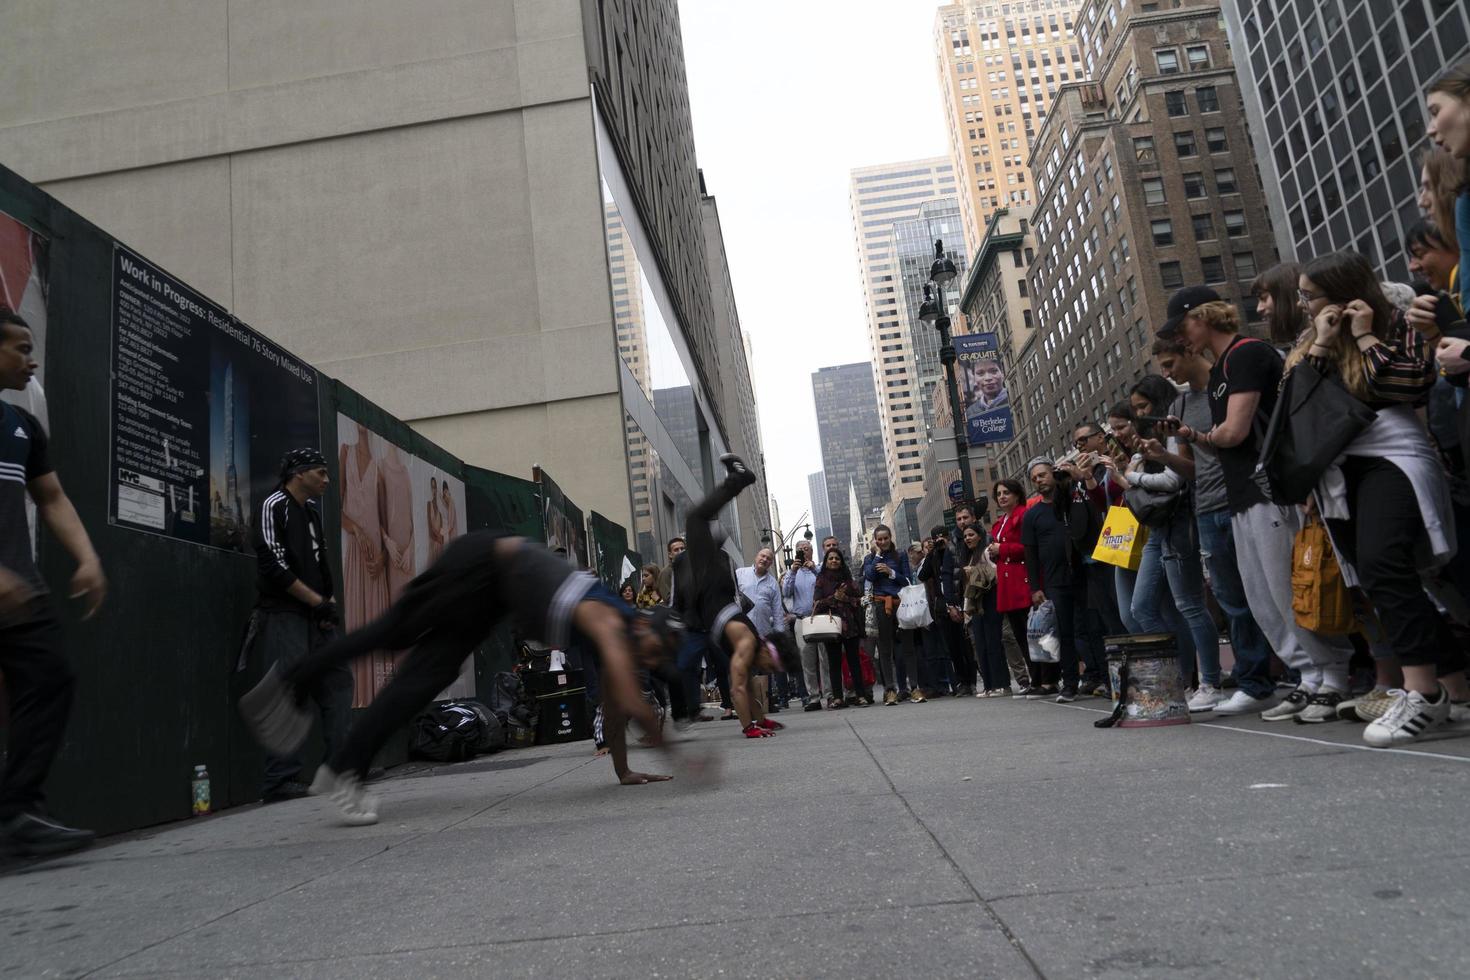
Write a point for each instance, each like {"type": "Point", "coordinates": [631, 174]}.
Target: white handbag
{"type": "Point", "coordinates": [821, 629]}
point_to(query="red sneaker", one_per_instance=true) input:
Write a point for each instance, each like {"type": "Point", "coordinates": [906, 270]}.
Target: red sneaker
{"type": "Point", "coordinates": [756, 731]}
{"type": "Point", "coordinates": [770, 725]}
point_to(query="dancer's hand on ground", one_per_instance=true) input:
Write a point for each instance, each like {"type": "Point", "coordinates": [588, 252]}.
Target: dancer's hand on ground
{"type": "Point", "coordinates": [631, 778]}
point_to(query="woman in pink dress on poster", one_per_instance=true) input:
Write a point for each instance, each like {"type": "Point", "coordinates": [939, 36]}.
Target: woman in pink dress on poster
{"type": "Point", "coordinates": [451, 516]}
{"type": "Point", "coordinates": [436, 522]}
{"type": "Point", "coordinates": [364, 571]}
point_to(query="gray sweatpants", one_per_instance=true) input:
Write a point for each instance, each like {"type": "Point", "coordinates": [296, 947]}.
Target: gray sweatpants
{"type": "Point", "coordinates": [1264, 536]}
{"type": "Point", "coordinates": [814, 669]}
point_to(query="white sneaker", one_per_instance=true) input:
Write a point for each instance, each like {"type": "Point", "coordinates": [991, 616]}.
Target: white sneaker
{"type": "Point", "coordinates": [1321, 707]}
{"type": "Point", "coordinates": [357, 806]}
{"type": "Point", "coordinates": [1411, 715]}
{"type": "Point", "coordinates": [1206, 698]}
{"type": "Point", "coordinates": [1294, 704]}
{"type": "Point", "coordinates": [1241, 703]}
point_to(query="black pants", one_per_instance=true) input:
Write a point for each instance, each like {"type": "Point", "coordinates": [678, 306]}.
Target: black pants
{"type": "Point", "coordinates": [956, 644]}
{"type": "Point", "coordinates": [836, 651]}
{"type": "Point", "coordinates": [990, 651]}
{"type": "Point", "coordinates": [285, 639]}
{"type": "Point", "coordinates": [1070, 607]}
{"type": "Point", "coordinates": [430, 667]}
{"type": "Point", "coordinates": [1380, 540]}
{"type": "Point", "coordinates": [39, 685]}
{"type": "Point", "coordinates": [895, 674]}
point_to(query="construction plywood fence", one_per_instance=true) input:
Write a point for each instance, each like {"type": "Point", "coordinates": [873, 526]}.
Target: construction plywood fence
{"type": "Point", "coordinates": [168, 417]}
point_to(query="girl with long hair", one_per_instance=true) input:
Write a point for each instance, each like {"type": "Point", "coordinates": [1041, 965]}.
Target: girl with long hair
{"type": "Point", "coordinates": [837, 594]}
{"type": "Point", "coordinates": [1387, 502]}
{"type": "Point", "coordinates": [887, 571]}
{"type": "Point", "coordinates": [1275, 294]}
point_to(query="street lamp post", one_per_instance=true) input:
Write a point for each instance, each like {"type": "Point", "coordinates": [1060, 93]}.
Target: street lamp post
{"type": "Point", "coordinates": [941, 273]}
{"type": "Point", "coordinates": [782, 544]}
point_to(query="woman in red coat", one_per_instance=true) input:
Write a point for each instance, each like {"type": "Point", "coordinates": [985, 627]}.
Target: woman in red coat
{"type": "Point", "coordinates": [1012, 590]}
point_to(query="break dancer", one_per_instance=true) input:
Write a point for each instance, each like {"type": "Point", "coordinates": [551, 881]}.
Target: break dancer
{"type": "Point", "coordinates": [706, 598]}
{"type": "Point", "coordinates": [445, 613]}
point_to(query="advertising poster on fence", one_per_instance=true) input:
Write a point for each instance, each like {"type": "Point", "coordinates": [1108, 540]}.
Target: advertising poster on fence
{"type": "Point", "coordinates": [566, 528]}
{"type": "Point", "coordinates": [983, 392]}
{"type": "Point", "coordinates": [23, 281]}
{"type": "Point", "coordinates": [398, 513]}
{"type": "Point", "coordinates": [203, 409]}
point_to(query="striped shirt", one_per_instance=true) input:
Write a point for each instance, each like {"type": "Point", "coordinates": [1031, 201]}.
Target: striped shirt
{"type": "Point", "coordinates": [1399, 369]}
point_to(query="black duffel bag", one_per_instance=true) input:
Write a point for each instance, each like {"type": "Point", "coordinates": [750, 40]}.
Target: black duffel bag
{"type": "Point", "coordinates": [446, 731]}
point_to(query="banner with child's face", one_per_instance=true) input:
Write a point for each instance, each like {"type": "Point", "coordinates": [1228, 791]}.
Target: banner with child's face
{"type": "Point", "coordinates": [984, 396]}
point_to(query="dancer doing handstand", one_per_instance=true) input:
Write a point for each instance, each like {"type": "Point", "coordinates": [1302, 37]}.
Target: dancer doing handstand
{"type": "Point", "coordinates": [706, 599]}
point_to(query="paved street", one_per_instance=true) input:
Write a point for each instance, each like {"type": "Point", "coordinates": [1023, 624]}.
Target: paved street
{"type": "Point", "coordinates": [959, 838]}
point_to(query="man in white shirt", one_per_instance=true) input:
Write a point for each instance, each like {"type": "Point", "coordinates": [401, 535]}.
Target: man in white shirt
{"type": "Point", "coordinates": [758, 585]}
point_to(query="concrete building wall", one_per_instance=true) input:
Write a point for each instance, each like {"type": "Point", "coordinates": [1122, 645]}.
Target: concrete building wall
{"type": "Point", "coordinates": [406, 195]}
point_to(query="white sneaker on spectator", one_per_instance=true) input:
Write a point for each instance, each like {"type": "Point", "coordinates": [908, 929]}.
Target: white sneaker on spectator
{"type": "Point", "coordinates": [1241, 703]}
{"type": "Point", "coordinates": [1321, 707]}
{"type": "Point", "coordinates": [1206, 698]}
{"type": "Point", "coordinates": [1294, 704]}
{"type": "Point", "coordinates": [1410, 716]}
{"type": "Point", "coordinates": [356, 806]}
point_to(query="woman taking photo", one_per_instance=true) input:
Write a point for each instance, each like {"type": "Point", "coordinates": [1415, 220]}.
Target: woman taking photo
{"type": "Point", "coordinates": [1448, 106]}
{"type": "Point", "coordinates": [837, 594]}
{"type": "Point", "coordinates": [981, 619]}
{"type": "Point", "coordinates": [1012, 594]}
{"type": "Point", "coordinates": [888, 571]}
{"type": "Point", "coordinates": [1388, 496]}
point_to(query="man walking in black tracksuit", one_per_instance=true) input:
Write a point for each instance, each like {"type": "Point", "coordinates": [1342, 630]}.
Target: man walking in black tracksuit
{"type": "Point", "coordinates": [296, 613]}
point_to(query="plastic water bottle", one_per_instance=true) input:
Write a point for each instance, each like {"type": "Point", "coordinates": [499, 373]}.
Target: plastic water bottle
{"type": "Point", "coordinates": [201, 791]}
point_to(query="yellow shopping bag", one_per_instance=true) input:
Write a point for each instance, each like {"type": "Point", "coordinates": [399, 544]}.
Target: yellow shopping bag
{"type": "Point", "coordinates": [1122, 539]}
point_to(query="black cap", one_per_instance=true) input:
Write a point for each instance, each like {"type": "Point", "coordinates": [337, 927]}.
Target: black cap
{"type": "Point", "coordinates": [1182, 302]}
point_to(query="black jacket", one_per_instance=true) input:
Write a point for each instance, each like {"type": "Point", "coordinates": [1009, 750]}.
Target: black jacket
{"type": "Point", "coordinates": [285, 552]}
{"type": "Point", "coordinates": [1057, 537]}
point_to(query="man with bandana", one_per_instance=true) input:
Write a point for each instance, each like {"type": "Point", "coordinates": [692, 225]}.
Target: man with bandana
{"type": "Point", "coordinates": [296, 612]}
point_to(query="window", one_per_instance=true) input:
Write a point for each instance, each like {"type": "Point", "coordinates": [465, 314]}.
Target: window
{"type": "Point", "coordinates": [1209, 100]}
{"type": "Point", "coordinates": [1184, 144]}
{"type": "Point", "coordinates": [1204, 227]}
{"type": "Point", "coordinates": [1198, 56]}
{"type": "Point", "coordinates": [1194, 186]}
{"type": "Point", "coordinates": [1153, 190]}
{"type": "Point", "coordinates": [1168, 61]}
{"type": "Point", "coordinates": [1174, 103]}
{"type": "Point", "coordinates": [1213, 267]}
{"type": "Point", "coordinates": [1245, 265]}
{"type": "Point", "coordinates": [1235, 223]}
{"type": "Point", "coordinates": [1225, 181]}
{"type": "Point", "coordinates": [1215, 139]}
{"type": "Point", "coordinates": [1163, 230]}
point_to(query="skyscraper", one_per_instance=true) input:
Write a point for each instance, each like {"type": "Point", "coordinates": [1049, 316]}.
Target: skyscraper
{"type": "Point", "coordinates": [816, 486]}
{"type": "Point", "coordinates": [913, 251]}
{"type": "Point", "coordinates": [1334, 91]}
{"type": "Point", "coordinates": [881, 197]}
{"type": "Point", "coordinates": [852, 449]}
{"type": "Point", "coordinates": [999, 67]}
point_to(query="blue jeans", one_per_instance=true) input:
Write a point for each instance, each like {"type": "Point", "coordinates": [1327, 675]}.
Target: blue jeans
{"type": "Point", "coordinates": [1124, 584]}
{"type": "Point", "coordinates": [1170, 596]}
{"type": "Point", "coordinates": [1252, 653]}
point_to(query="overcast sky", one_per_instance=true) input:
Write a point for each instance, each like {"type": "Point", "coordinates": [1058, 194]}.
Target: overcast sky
{"type": "Point", "coordinates": [787, 97]}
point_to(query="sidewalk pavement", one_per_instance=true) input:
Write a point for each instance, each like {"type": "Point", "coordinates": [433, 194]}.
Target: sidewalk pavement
{"type": "Point", "coordinates": [965, 837]}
